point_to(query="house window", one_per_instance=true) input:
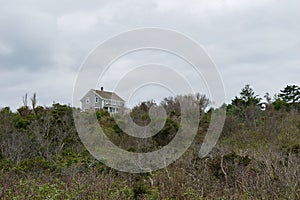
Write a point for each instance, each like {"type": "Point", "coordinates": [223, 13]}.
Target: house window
{"type": "Point", "coordinates": [96, 99]}
{"type": "Point", "coordinates": [87, 100]}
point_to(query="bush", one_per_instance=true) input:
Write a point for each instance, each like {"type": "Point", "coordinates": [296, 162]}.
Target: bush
{"type": "Point", "coordinates": [37, 164]}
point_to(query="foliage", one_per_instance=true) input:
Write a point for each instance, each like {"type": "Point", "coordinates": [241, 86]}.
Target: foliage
{"type": "Point", "coordinates": [246, 107]}
{"type": "Point", "coordinates": [257, 156]}
{"type": "Point", "coordinates": [247, 98]}
{"type": "Point", "coordinates": [290, 94]}
{"type": "Point", "coordinates": [288, 98]}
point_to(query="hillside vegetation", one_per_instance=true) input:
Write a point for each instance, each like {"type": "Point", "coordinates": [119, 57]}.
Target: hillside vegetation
{"type": "Point", "coordinates": [257, 155]}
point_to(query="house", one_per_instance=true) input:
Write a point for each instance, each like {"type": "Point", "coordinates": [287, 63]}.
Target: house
{"type": "Point", "coordinates": [100, 99]}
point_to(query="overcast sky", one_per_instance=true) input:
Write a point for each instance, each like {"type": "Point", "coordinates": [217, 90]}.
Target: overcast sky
{"type": "Point", "coordinates": [43, 43]}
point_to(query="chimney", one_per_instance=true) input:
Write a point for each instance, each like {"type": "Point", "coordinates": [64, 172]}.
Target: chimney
{"type": "Point", "coordinates": [101, 88]}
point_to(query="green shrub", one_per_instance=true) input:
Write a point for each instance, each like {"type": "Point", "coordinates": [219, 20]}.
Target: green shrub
{"type": "Point", "coordinates": [37, 164]}
{"type": "Point", "coordinates": [5, 164]}
{"type": "Point", "coordinates": [140, 190]}
{"type": "Point", "coordinates": [21, 123]}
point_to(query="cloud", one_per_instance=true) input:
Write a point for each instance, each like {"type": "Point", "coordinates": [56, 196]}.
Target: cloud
{"type": "Point", "coordinates": [43, 43]}
{"type": "Point", "coordinates": [5, 50]}
{"type": "Point", "coordinates": [29, 36]}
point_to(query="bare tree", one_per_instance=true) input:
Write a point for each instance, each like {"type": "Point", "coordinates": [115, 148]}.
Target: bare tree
{"type": "Point", "coordinates": [33, 102]}
{"type": "Point", "coordinates": [25, 100]}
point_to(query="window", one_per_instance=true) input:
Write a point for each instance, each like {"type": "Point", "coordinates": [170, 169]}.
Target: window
{"type": "Point", "coordinates": [87, 100]}
{"type": "Point", "coordinates": [96, 99]}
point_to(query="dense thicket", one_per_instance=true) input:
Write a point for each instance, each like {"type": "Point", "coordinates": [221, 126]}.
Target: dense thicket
{"type": "Point", "coordinates": [257, 156]}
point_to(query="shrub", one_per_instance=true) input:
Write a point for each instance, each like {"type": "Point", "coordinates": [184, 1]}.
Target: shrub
{"type": "Point", "coordinates": [37, 164]}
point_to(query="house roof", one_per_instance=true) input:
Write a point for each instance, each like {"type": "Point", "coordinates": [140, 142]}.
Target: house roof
{"type": "Point", "coordinates": [108, 95]}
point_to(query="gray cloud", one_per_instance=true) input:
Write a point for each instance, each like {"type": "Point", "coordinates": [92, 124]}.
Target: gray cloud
{"type": "Point", "coordinates": [43, 43]}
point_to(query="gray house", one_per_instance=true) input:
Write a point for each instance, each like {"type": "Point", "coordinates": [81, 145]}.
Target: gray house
{"type": "Point", "coordinates": [100, 99]}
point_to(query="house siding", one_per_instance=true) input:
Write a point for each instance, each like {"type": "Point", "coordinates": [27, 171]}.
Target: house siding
{"type": "Point", "coordinates": [99, 104]}
{"type": "Point", "coordinates": [112, 107]}
{"type": "Point", "coordinates": [91, 104]}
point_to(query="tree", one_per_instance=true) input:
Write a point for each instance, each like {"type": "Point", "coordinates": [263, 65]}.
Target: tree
{"type": "Point", "coordinates": [33, 102]}
{"type": "Point", "coordinates": [173, 107]}
{"type": "Point", "coordinates": [288, 98]}
{"type": "Point", "coordinates": [290, 94]}
{"type": "Point", "coordinates": [247, 98]}
{"type": "Point", "coordinates": [268, 98]}
{"type": "Point", "coordinates": [25, 100]}
{"type": "Point", "coordinates": [140, 113]}
{"type": "Point", "coordinates": [247, 106]}
{"type": "Point", "coordinates": [278, 103]}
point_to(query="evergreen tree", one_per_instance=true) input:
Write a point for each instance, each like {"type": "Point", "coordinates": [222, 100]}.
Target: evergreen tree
{"type": "Point", "coordinates": [290, 94]}
{"type": "Point", "coordinates": [247, 98]}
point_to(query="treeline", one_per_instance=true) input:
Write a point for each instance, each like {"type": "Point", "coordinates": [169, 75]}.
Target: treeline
{"type": "Point", "coordinates": [257, 156]}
